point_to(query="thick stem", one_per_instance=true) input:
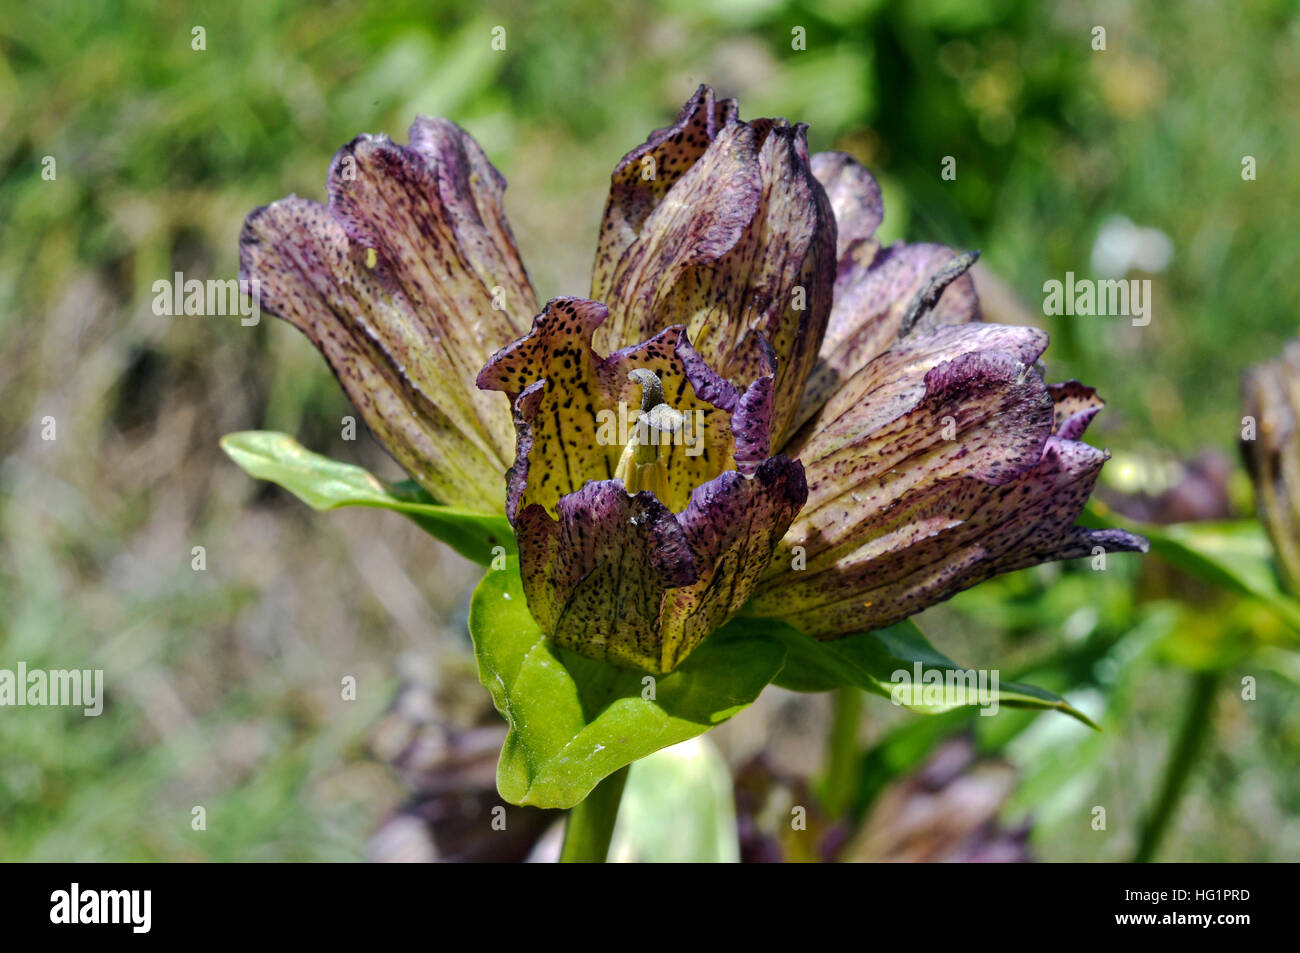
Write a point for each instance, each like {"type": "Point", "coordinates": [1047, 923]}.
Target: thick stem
{"type": "Point", "coordinates": [591, 823]}
{"type": "Point", "coordinates": [842, 751]}
{"type": "Point", "coordinates": [1196, 722]}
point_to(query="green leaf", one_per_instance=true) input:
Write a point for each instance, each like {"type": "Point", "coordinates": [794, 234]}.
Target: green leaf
{"type": "Point", "coordinates": [1235, 555]}
{"type": "Point", "coordinates": [872, 661]}
{"type": "Point", "coordinates": [326, 484]}
{"type": "Point", "coordinates": [573, 720]}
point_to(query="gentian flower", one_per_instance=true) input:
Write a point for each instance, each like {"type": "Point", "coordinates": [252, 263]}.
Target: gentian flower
{"type": "Point", "coordinates": [759, 405]}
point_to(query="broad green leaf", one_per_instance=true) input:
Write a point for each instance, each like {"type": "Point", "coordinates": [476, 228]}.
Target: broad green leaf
{"type": "Point", "coordinates": [1236, 555]}
{"type": "Point", "coordinates": [873, 661]}
{"type": "Point", "coordinates": [678, 808]}
{"type": "Point", "coordinates": [326, 484]}
{"type": "Point", "coordinates": [573, 720]}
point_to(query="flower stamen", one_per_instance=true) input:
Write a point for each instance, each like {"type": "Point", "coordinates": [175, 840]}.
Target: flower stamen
{"type": "Point", "coordinates": [642, 465]}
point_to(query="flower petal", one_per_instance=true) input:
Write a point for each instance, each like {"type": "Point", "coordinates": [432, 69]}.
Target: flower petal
{"type": "Point", "coordinates": [950, 547]}
{"type": "Point", "coordinates": [568, 400]}
{"type": "Point", "coordinates": [855, 199]}
{"type": "Point", "coordinates": [1075, 406]}
{"type": "Point", "coordinates": [595, 576]}
{"type": "Point", "coordinates": [405, 282]}
{"type": "Point", "coordinates": [619, 578]}
{"type": "Point", "coordinates": [979, 413]}
{"type": "Point", "coordinates": [899, 517]}
{"type": "Point", "coordinates": [896, 381]}
{"type": "Point", "coordinates": [873, 289]}
{"type": "Point", "coordinates": [643, 177]}
{"type": "Point", "coordinates": [740, 244]}
{"type": "Point", "coordinates": [732, 525]}
{"type": "Point", "coordinates": [873, 286]}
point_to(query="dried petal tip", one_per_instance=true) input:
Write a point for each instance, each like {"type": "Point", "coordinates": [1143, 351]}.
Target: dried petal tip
{"type": "Point", "coordinates": [924, 301]}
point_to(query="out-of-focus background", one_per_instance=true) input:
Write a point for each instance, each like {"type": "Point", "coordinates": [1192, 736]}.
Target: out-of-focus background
{"type": "Point", "coordinates": [224, 684]}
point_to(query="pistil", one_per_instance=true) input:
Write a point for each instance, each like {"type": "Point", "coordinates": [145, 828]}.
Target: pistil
{"type": "Point", "coordinates": [642, 465]}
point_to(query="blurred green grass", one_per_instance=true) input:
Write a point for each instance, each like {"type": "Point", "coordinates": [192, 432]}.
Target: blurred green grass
{"type": "Point", "coordinates": [224, 685]}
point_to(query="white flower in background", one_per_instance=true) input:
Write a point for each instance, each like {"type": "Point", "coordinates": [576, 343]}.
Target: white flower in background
{"type": "Point", "coordinates": [1122, 247]}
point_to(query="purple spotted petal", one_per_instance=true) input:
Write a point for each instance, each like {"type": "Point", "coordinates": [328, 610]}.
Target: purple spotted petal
{"type": "Point", "coordinates": [944, 465]}
{"type": "Point", "coordinates": [1076, 405]}
{"type": "Point", "coordinates": [895, 381]}
{"type": "Point", "coordinates": [731, 525]}
{"type": "Point", "coordinates": [873, 286]}
{"type": "Point", "coordinates": [855, 198]}
{"type": "Point", "coordinates": [734, 238]}
{"type": "Point", "coordinates": [596, 575]}
{"type": "Point", "coordinates": [620, 578]}
{"type": "Point", "coordinates": [750, 409]}
{"type": "Point", "coordinates": [644, 176]}
{"type": "Point", "coordinates": [406, 281]}
{"type": "Point", "coordinates": [566, 397]}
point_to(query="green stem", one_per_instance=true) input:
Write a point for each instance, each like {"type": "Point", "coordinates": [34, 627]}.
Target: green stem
{"type": "Point", "coordinates": [842, 751]}
{"type": "Point", "coordinates": [1196, 722]}
{"type": "Point", "coordinates": [591, 823]}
